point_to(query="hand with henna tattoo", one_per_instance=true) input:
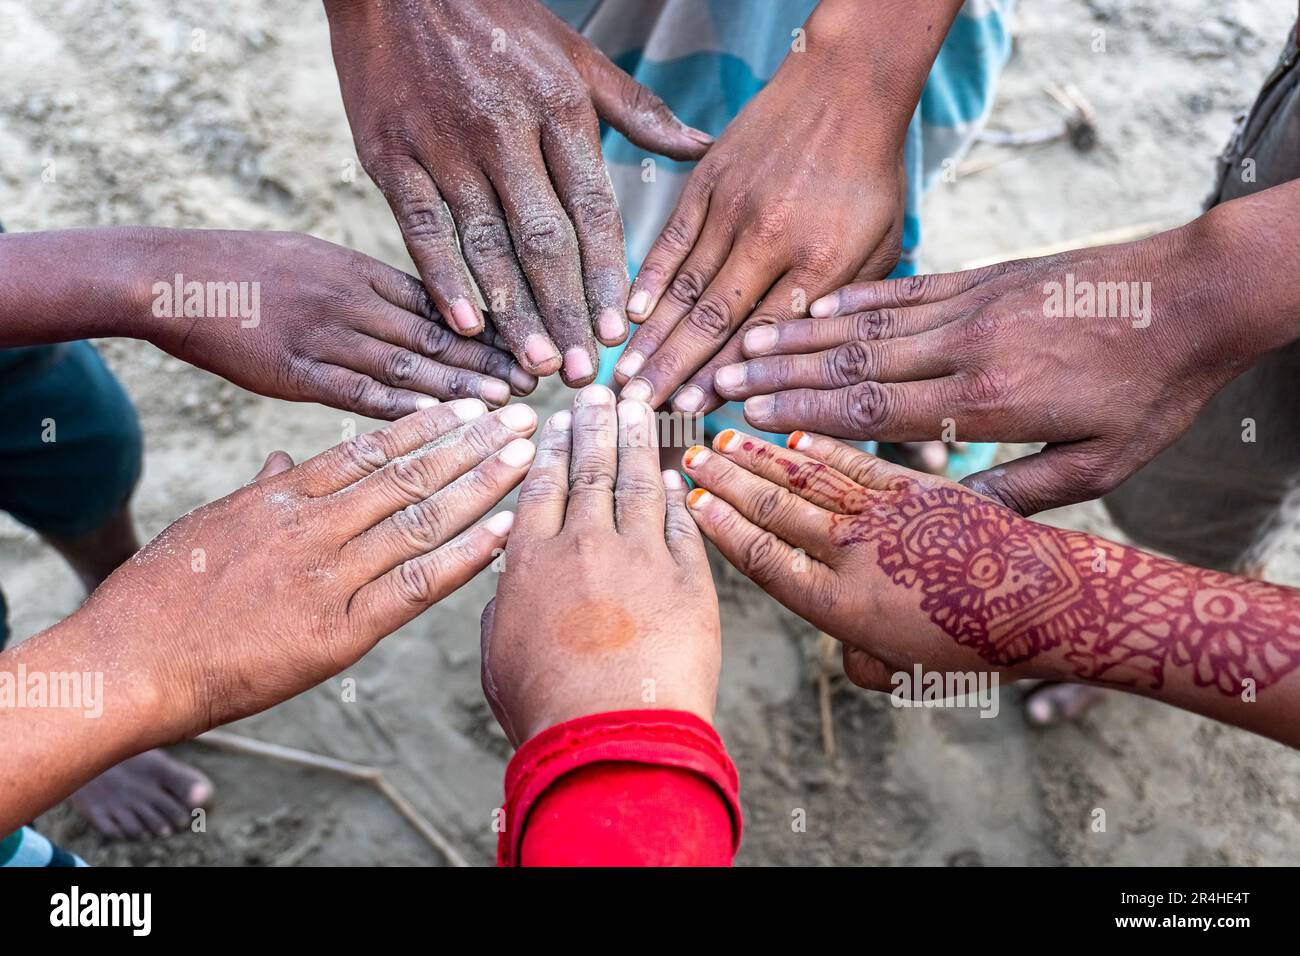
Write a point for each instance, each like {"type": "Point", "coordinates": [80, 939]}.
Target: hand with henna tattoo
{"type": "Point", "coordinates": [494, 108]}
{"type": "Point", "coordinates": [907, 569]}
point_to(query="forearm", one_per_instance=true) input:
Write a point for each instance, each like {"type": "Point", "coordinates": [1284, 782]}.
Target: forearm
{"type": "Point", "coordinates": [874, 57]}
{"type": "Point", "coordinates": [74, 284]}
{"type": "Point", "coordinates": [70, 708]}
{"type": "Point", "coordinates": [1252, 261]}
{"type": "Point", "coordinates": [1217, 644]}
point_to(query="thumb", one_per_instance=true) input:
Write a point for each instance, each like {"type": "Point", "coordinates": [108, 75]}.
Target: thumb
{"type": "Point", "coordinates": [638, 113]}
{"type": "Point", "coordinates": [1058, 475]}
{"type": "Point", "coordinates": [277, 463]}
{"type": "Point", "coordinates": [866, 671]}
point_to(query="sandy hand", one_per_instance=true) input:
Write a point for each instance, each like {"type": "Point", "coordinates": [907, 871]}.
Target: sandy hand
{"type": "Point", "coordinates": [271, 590]}
{"type": "Point", "coordinates": [494, 109]}
{"type": "Point", "coordinates": [606, 602]}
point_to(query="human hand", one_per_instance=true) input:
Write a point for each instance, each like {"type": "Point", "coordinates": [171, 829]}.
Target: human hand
{"type": "Point", "coordinates": [306, 320]}
{"type": "Point", "coordinates": [269, 591]}
{"type": "Point", "coordinates": [494, 108]}
{"type": "Point", "coordinates": [846, 541]}
{"type": "Point", "coordinates": [993, 355]}
{"type": "Point", "coordinates": [804, 190]}
{"type": "Point", "coordinates": [606, 602]}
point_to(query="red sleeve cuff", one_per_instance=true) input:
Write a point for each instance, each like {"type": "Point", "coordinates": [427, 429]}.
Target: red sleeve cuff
{"type": "Point", "coordinates": [652, 739]}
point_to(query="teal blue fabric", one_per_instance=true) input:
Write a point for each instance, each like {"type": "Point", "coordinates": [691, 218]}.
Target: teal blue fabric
{"type": "Point", "coordinates": [708, 58]}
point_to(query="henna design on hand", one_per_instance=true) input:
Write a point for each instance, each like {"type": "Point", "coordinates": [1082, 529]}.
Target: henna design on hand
{"type": "Point", "coordinates": [1011, 589]}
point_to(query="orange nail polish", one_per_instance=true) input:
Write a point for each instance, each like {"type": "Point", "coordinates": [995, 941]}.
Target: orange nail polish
{"type": "Point", "coordinates": [696, 498]}
{"type": "Point", "coordinates": [692, 453]}
{"type": "Point", "coordinates": [723, 441]}
{"type": "Point", "coordinates": [794, 439]}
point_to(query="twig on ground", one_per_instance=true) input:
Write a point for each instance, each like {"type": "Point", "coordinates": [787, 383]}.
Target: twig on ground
{"type": "Point", "coordinates": [344, 768]}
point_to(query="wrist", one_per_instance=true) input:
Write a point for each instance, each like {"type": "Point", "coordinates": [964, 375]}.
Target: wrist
{"type": "Point", "coordinates": [1240, 257]}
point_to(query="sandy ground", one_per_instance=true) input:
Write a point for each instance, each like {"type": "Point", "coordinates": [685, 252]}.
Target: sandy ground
{"type": "Point", "coordinates": [251, 134]}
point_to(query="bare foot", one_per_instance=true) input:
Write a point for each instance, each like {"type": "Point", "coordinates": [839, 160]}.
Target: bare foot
{"type": "Point", "coordinates": [151, 795]}
{"type": "Point", "coordinates": [1051, 703]}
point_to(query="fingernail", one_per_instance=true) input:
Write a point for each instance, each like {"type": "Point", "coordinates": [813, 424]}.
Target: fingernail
{"type": "Point", "coordinates": [760, 406]}
{"type": "Point", "coordinates": [727, 440]}
{"type": "Point", "coordinates": [701, 137]}
{"type": "Point", "coordinates": [690, 399]}
{"type": "Point", "coordinates": [561, 421]}
{"type": "Point", "coordinates": [698, 499]}
{"type": "Point", "coordinates": [518, 453]}
{"type": "Point", "coordinates": [539, 350]}
{"type": "Point", "coordinates": [673, 481]}
{"type": "Point", "coordinates": [825, 306]}
{"type": "Point", "coordinates": [633, 413]}
{"type": "Point", "coordinates": [577, 364]}
{"type": "Point", "coordinates": [799, 441]}
{"type": "Point", "coordinates": [498, 393]}
{"type": "Point", "coordinates": [521, 380]}
{"type": "Point", "coordinates": [610, 325]}
{"type": "Point", "coordinates": [463, 317]}
{"type": "Point", "coordinates": [638, 390]}
{"type": "Point", "coordinates": [519, 418]}
{"type": "Point", "coordinates": [595, 395]}
{"type": "Point", "coordinates": [425, 401]}
{"type": "Point", "coordinates": [501, 523]}
{"type": "Point", "coordinates": [694, 456]}
{"type": "Point", "coordinates": [730, 376]}
{"type": "Point", "coordinates": [639, 302]}
{"type": "Point", "coordinates": [629, 363]}
{"type": "Point", "coordinates": [468, 408]}
{"type": "Point", "coordinates": [760, 340]}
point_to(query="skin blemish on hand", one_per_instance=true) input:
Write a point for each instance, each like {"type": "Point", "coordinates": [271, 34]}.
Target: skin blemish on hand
{"type": "Point", "coordinates": [596, 626]}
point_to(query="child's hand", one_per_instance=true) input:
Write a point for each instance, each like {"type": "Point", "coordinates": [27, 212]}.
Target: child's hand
{"type": "Point", "coordinates": [294, 317]}
{"type": "Point", "coordinates": [904, 568]}
{"type": "Point", "coordinates": [606, 602]}
{"type": "Point", "coordinates": [252, 599]}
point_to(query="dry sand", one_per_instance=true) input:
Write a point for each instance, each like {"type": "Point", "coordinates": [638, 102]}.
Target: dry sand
{"type": "Point", "coordinates": [250, 133]}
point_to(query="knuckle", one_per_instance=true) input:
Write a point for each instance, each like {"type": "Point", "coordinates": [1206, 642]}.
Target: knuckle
{"type": "Point", "coordinates": [768, 505]}
{"type": "Point", "coordinates": [591, 477]}
{"type": "Point", "coordinates": [759, 560]}
{"type": "Point", "coordinates": [485, 236]}
{"type": "Point", "coordinates": [479, 437]}
{"type": "Point", "coordinates": [546, 235]}
{"type": "Point", "coordinates": [711, 317]}
{"type": "Point", "coordinates": [639, 489]}
{"type": "Point", "coordinates": [850, 363]}
{"type": "Point", "coordinates": [676, 237]}
{"type": "Point", "coordinates": [412, 477]}
{"type": "Point", "coordinates": [542, 486]}
{"type": "Point", "coordinates": [400, 368]}
{"type": "Point", "coordinates": [772, 223]}
{"type": "Point", "coordinates": [982, 390]}
{"type": "Point", "coordinates": [421, 524]}
{"type": "Point", "coordinates": [869, 406]}
{"type": "Point", "coordinates": [595, 208]}
{"type": "Point", "coordinates": [426, 223]}
{"type": "Point", "coordinates": [436, 340]}
{"type": "Point", "coordinates": [379, 147]}
{"type": "Point", "coordinates": [686, 288]}
{"type": "Point", "coordinates": [911, 290]}
{"type": "Point", "coordinates": [366, 452]}
{"type": "Point", "coordinates": [417, 581]}
{"type": "Point", "coordinates": [981, 328]}
{"type": "Point", "coordinates": [876, 324]}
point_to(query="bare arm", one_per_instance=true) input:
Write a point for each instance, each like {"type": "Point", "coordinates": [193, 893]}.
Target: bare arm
{"type": "Point", "coordinates": [906, 568]}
